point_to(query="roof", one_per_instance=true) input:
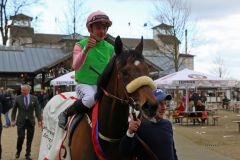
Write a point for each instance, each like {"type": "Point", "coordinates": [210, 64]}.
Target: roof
{"type": "Point", "coordinates": [72, 37]}
{"type": "Point", "coordinates": [148, 44]}
{"type": "Point", "coordinates": [21, 17]}
{"type": "Point", "coordinates": [168, 39]}
{"type": "Point", "coordinates": [151, 54]}
{"type": "Point", "coordinates": [166, 64]}
{"type": "Point", "coordinates": [186, 55]}
{"type": "Point", "coordinates": [162, 25]}
{"type": "Point", "coordinates": [29, 60]}
{"type": "Point", "coordinates": [47, 38]}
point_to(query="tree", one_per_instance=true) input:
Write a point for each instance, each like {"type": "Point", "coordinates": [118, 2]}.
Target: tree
{"type": "Point", "coordinates": [11, 8]}
{"type": "Point", "coordinates": [176, 14]}
{"type": "Point", "coordinates": [74, 14]}
{"type": "Point", "coordinates": [219, 67]}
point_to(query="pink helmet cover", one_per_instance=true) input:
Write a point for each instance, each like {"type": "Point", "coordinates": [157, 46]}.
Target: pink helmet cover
{"type": "Point", "coordinates": [98, 16]}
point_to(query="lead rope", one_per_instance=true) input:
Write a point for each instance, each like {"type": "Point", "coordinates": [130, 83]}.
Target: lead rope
{"type": "Point", "coordinates": [145, 146]}
{"type": "Point", "coordinates": [132, 104]}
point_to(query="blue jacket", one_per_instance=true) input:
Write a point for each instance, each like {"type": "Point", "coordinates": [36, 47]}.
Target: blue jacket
{"type": "Point", "coordinates": [158, 136]}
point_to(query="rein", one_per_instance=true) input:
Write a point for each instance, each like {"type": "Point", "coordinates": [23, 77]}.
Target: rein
{"type": "Point", "coordinates": [130, 101]}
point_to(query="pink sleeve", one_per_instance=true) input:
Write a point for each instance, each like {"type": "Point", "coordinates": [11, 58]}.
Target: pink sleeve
{"type": "Point", "coordinates": [78, 57]}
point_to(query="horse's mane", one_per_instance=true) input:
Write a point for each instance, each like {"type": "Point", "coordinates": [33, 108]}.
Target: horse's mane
{"type": "Point", "coordinates": [103, 80]}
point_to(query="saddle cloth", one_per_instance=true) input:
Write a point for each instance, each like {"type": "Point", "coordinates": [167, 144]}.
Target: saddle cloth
{"type": "Point", "coordinates": [52, 135]}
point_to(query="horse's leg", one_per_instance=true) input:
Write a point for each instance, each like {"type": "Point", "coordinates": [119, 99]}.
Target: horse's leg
{"type": "Point", "coordinates": [81, 146]}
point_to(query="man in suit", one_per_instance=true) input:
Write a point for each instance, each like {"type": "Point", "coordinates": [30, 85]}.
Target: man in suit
{"type": "Point", "coordinates": [26, 104]}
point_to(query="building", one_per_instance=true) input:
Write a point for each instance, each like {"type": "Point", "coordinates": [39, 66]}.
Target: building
{"type": "Point", "coordinates": [38, 58]}
{"type": "Point", "coordinates": [159, 51]}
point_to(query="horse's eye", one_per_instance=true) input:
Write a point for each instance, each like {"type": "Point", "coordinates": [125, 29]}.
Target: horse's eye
{"type": "Point", "coordinates": [124, 72]}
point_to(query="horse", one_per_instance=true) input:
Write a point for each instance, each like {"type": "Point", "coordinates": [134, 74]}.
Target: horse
{"type": "Point", "coordinates": [123, 84]}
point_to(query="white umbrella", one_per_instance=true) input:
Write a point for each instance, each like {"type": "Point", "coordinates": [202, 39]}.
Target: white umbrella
{"type": "Point", "coordinates": [66, 79]}
{"type": "Point", "coordinates": [188, 78]}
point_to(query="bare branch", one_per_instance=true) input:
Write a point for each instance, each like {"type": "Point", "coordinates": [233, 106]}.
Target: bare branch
{"type": "Point", "coordinates": [11, 8]}
{"type": "Point", "coordinates": [219, 67]}
{"type": "Point", "coordinates": [75, 14]}
{"type": "Point", "coordinates": [176, 14]}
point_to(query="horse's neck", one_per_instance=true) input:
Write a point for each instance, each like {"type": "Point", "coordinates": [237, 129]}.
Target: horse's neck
{"type": "Point", "coordinates": [113, 117]}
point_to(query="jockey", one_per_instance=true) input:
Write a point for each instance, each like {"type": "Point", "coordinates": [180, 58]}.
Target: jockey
{"type": "Point", "coordinates": [93, 51]}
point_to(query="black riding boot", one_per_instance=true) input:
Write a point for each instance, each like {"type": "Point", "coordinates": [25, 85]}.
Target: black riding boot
{"type": "Point", "coordinates": [76, 107]}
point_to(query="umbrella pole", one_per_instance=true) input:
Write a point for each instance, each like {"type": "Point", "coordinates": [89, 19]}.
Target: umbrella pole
{"type": "Point", "coordinates": [186, 99]}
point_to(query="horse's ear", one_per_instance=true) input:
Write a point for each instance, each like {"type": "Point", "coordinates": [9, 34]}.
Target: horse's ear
{"type": "Point", "coordinates": [139, 47]}
{"type": "Point", "coordinates": [118, 46]}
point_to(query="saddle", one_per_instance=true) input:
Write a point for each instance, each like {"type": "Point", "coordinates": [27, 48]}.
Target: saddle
{"type": "Point", "coordinates": [76, 120]}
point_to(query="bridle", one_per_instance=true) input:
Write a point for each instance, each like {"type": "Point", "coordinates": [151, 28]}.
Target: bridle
{"type": "Point", "coordinates": [128, 100]}
{"type": "Point", "coordinates": [132, 104]}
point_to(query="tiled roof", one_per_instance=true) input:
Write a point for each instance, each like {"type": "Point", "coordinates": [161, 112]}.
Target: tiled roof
{"type": "Point", "coordinates": [47, 38]}
{"type": "Point", "coordinates": [29, 60]}
{"type": "Point", "coordinates": [161, 61]}
{"type": "Point", "coordinates": [72, 37]}
{"type": "Point", "coordinates": [147, 43]}
{"type": "Point", "coordinates": [168, 39]}
{"type": "Point", "coordinates": [55, 38]}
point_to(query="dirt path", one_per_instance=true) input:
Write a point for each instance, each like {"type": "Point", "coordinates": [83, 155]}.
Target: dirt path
{"type": "Point", "coordinates": [222, 140]}
{"type": "Point", "coordinates": [187, 150]}
{"type": "Point", "coordinates": [9, 142]}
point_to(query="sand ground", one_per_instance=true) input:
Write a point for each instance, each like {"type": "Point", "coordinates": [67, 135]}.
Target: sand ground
{"type": "Point", "coordinates": [223, 139]}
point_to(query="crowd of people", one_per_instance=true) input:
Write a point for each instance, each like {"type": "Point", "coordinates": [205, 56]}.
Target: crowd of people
{"type": "Point", "coordinates": [196, 107]}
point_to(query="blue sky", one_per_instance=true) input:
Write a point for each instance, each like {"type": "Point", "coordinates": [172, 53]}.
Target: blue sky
{"type": "Point", "coordinates": [216, 23]}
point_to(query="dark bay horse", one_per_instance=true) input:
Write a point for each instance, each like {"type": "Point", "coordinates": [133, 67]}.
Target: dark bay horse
{"type": "Point", "coordinates": [126, 80]}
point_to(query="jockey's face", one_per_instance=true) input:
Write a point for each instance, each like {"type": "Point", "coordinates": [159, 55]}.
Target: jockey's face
{"type": "Point", "coordinates": [99, 31]}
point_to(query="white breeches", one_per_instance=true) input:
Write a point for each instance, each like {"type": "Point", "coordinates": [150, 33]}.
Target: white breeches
{"type": "Point", "coordinates": [86, 92]}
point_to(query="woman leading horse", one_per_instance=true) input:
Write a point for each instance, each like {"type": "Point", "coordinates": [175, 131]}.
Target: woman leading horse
{"type": "Point", "coordinates": [123, 84]}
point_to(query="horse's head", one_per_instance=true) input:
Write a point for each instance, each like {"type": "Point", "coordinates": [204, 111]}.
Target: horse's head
{"type": "Point", "coordinates": [133, 80]}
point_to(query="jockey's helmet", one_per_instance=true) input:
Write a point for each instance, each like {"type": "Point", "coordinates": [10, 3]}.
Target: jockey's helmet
{"type": "Point", "coordinates": [98, 16]}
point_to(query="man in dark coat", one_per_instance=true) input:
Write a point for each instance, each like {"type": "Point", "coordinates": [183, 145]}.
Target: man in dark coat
{"type": "Point", "coordinates": [26, 104]}
{"type": "Point", "coordinates": [156, 132]}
